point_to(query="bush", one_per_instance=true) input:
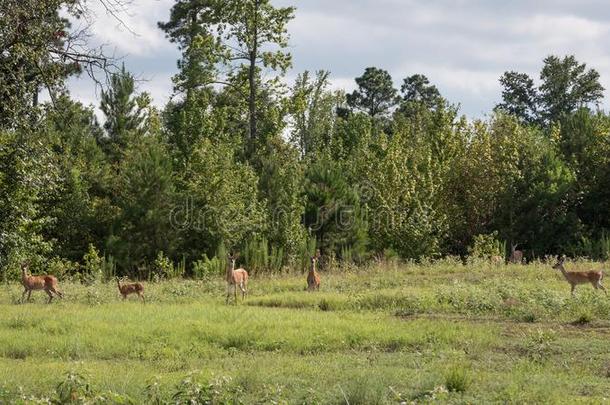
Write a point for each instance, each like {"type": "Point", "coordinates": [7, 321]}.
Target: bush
{"type": "Point", "coordinates": [206, 267]}
{"type": "Point", "coordinates": [60, 268]}
{"type": "Point", "coordinates": [457, 379]}
{"type": "Point", "coordinates": [583, 318]}
{"type": "Point", "coordinates": [487, 246]}
{"type": "Point", "coordinates": [164, 268]}
{"type": "Point", "coordinates": [93, 269]}
{"type": "Point", "coordinates": [261, 256]}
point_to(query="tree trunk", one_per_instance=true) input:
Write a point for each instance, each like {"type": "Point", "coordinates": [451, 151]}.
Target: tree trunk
{"type": "Point", "coordinates": [252, 75]}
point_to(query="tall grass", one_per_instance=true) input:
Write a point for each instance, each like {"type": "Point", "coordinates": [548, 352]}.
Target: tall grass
{"type": "Point", "coordinates": [385, 335]}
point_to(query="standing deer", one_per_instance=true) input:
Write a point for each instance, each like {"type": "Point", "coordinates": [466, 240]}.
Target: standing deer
{"type": "Point", "coordinates": [313, 278]}
{"type": "Point", "coordinates": [31, 283]}
{"type": "Point", "coordinates": [236, 278]}
{"type": "Point", "coordinates": [580, 277]}
{"type": "Point", "coordinates": [516, 256]}
{"type": "Point", "coordinates": [131, 288]}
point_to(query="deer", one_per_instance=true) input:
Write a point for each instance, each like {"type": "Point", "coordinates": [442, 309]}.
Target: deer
{"type": "Point", "coordinates": [31, 283]}
{"type": "Point", "coordinates": [313, 278]}
{"type": "Point", "coordinates": [236, 278]}
{"type": "Point", "coordinates": [580, 277]}
{"type": "Point", "coordinates": [496, 260]}
{"type": "Point", "coordinates": [516, 256]}
{"type": "Point", "coordinates": [131, 288]}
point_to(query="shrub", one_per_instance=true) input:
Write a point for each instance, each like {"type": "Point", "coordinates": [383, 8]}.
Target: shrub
{"type": "Point", "coordinates": [164, 268]}
{"type": "Point", "coordinates": [457, 379]}
{"type": "Point", "coordinates": [583, 318]}
{"type": "Point", "coordinates": [486, 246]}
{"type": "Point", "coordinates": [93, 269]}
{"type": "Point", "coordinates": [206, 267]}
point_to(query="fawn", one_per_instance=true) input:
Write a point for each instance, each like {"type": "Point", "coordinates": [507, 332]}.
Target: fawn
{"type": "Point", "coordinates": [580, 277]}
{"type": "Point", "coordinates": [313, 278]}
{"type": "Point", "coordinates": [46, 283]}
{"type": "Point", "coordinates": [131, 288]}
{"type": "Point", "coordinates": [236, 278]}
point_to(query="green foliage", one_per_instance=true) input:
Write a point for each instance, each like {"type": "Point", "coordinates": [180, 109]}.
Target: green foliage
{"type": "Point", "coordinates": [28, 177]}
{"type": "Point", "coordinates": [124, 113]}
{"type": "Point", "coordinates": [206, 268]}
{"type": "Point", "coordinates": [164, 268]}
{"type": "Point", "coordinates": [457, 379]}
{"type": "Point", "coordinates": [487, 246]}
{"type": "Point", "coordinates": [74, 389]}
{"type": "Point", "coordinates": [262, 257]}
{"type": "Point", "coordinates": [375, 95]}
{"type": "Point", "coordinates": [239, 161]}
{"type": "Point", "coordinates": [94, 265]}
{"type": "Point", "coordinates": [566, 86]}
{"type": "Point", "coordinates": [144, 195]}
{"type": "Point", "coordinates": [333, 212]}
{"type": "Point", "coordinates": [220, 200]}
{"type": "Point", "coordinates": [417, 92]}
{"type": "Point", "coordinates": [597, 249]}
{"type": "Point", "coordinates": [313, 108]}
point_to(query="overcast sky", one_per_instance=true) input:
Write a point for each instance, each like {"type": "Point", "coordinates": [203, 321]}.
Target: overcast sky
{"type": "Point", "coordinates": [463, 46]}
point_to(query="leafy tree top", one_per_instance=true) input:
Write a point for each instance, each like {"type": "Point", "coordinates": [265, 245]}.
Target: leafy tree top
{"type": "Point", "coordinates": [566, 85]}
{"type": "Point", "coordinates": [375, 95]}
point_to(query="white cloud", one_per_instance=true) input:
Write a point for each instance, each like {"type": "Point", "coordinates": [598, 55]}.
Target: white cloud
{"type": "Point", "coordinates": [137, 32]}
{"type": "Point", "coordinates": [462, 46]}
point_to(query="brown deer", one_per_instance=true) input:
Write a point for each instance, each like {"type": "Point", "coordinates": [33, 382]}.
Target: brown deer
{"type": "Point", "coordinates": [131, 288]}
{"type": "Point", "coordinates": [31, 283]}
{"type": "Point", "coordinates": [580, 277]}
{"type": "Point", "coordinates": [496, 260]}
{"type": "Point", "coordinates": [236, 278]}
{"type": "Point", "coordinates": [313, 278]}
{"type": "Point", "coordinates": [516, 256]}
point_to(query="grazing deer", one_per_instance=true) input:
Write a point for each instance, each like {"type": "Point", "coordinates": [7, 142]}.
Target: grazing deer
{"type": "Point", "coordinates": [131, 288]}
{"type": "Point", "coordinates": [580, 277]}
{"type": "Point", "coordinates": [516, 256]}
{"type": "Point", "coordinates": [313, 278]}
{"type": "Point", "coordinates": [46, 283]}
{"type": "Point", "coordinates": [236, 278]}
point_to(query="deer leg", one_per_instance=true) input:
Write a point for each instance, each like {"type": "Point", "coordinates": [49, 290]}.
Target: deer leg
{"type": "Point", "coordinates": [228, 292]}
{"type": "Point", "coordinates": [573, 287]}
{"type": "Point", "coordinates": [142, 296]}
{"type": "Point", "coordinates": [57, 292]}
{"type": "Point", "coordinates": [50, 296]}
{"type": "Point", "coordinates": [599, 285]}
{"type": "Point", "coordinates": [23, 295]}
{"type": "Point", "coordinates": [29, 295]}
{"type": "Point", "coordinates": [243, 290]}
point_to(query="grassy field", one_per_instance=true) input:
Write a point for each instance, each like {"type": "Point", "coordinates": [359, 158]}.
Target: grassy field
{"type": "Point", "coordinates": [390, 334]}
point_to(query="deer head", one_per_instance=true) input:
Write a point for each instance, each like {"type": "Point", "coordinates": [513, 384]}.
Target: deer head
{"type": "Point", "coordinates": [315, 257]}
{"type": "Point", "coordinates": [560, 261]}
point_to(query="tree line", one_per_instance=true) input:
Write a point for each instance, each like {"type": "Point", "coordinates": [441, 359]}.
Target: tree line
{"type": "Point", "coordinates": [241, 161]}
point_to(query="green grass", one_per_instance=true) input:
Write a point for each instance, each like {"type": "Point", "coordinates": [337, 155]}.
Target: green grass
{"type": "Point", "coordinates": [423, 334]}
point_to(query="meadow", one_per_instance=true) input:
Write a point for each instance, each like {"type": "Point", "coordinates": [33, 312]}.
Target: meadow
{"type": "Point", "coordinates": [442, 332]}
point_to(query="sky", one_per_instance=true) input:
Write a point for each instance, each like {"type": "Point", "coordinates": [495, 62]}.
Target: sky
{"type": "Point", "coordinates": [462, 46]}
